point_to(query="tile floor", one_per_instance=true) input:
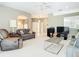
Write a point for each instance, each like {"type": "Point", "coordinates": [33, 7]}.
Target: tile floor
{"type": "Point", "coordinates": [35, 48]}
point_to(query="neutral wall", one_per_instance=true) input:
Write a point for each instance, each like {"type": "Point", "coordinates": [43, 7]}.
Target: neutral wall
{"type": "Point", "coordinates": [7, 14]}
{"type": "Point", "coordinates": [59, 19]}
{"type": "Point", "coordinates": [54, 21]}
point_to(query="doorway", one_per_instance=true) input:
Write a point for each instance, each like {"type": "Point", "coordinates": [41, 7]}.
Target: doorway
{"type": "Point", "coordinates": [39, 26]}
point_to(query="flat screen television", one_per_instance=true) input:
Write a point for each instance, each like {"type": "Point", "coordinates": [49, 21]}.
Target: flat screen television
{"type": "Point", "coordinates": [60, 29]}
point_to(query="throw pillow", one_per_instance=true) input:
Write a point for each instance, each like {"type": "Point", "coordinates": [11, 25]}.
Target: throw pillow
{"type": "Point", "coordinates": [4, 33]}
{"type": "Point", "coordinates": [77, 43]}
{"type": "Point", "coordinates": [21, 32]}
{"type": "Point", "coordinates": [1, 36]}
{"type": "Point", "coordinates": [26, 31]}
{"type": "Point", "coordinates": [77, 36]}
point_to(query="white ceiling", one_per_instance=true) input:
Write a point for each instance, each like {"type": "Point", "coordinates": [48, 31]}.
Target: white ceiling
{"type": "Point", "coordinates": [42, 8]}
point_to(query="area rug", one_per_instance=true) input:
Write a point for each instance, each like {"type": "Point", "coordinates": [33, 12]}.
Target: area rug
{"type": "Point", "coordinates": [54, 48]}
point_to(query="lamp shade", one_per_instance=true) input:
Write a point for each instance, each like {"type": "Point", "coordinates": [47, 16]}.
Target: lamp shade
{"type": "Point", "coordinates": [13, 23]}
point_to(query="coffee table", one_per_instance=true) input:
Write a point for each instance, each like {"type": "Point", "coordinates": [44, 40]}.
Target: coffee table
{"type": "Point", "coordinates": [53, 45]}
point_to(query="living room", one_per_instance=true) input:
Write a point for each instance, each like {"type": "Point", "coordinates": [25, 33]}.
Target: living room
{"type": "Point", "coordinates": [39, 29]}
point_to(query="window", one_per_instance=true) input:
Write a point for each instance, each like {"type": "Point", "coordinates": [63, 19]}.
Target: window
{"type": "Point", "coordinates": [72, 22]}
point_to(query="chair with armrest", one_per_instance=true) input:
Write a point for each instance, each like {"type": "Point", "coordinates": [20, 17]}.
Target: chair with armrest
{"type": "Point", "coordinates": [73, 51]}
{"type": "Point", "coordinates": [50, 31]}
{"type": "Point", "coordinates": [62, 32]}
{"type": "Point", "coordinates": [9, 43]}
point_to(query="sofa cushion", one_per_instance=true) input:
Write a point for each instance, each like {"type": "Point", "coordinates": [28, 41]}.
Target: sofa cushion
{"type": "Point", "coordinates": [12, 38]}
{"type": "Point", "coordinates": [22, 31]}
{"type": "Point", "coordinates": [77, 35]}
{"type": "Point", "coordinates": [1, 36]}
{"type": "Point", "coordinates": [8, 45]}
{"type": "Point", "coordinates": [77, 43]}
{"type": "Point", "coordinates": [26, 31]}
{"type": "Point", "coordinates": [4, 33]}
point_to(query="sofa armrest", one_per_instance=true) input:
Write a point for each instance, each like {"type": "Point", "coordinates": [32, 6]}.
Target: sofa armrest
{"type": "Point", "coordinates": [0, 43]}
{"type": "Point", "coordinates": [72, 52]}
{"type": "Point", "coordinates": [20, 43]}
{"type": "Point", "coordinates": [7, 45]}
